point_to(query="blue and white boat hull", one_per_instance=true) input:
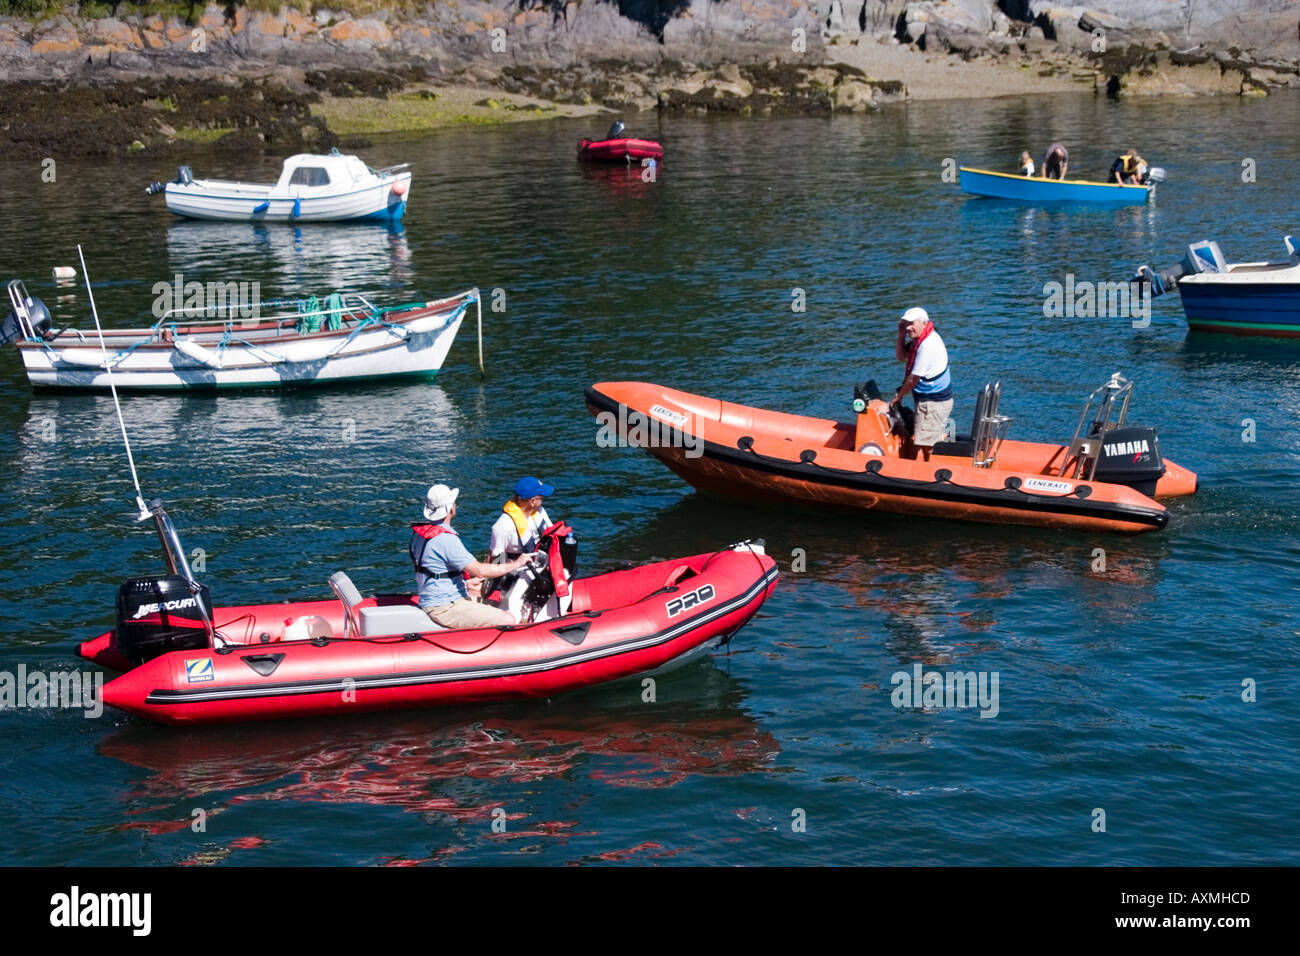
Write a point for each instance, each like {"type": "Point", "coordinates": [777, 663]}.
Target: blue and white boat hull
{"type": "Point", "coordinates": [215, 200]}
{"type": "Point", "coordinates": [1230, 302]}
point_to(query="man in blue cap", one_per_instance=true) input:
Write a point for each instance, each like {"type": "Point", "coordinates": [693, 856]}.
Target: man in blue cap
{"type": "Point", "coordinates": [522, 521]}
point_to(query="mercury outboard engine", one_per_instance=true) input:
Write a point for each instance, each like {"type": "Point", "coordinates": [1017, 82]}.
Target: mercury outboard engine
{"type": "Point", "coordinates": [159, 614]}
{"type": "Point", "coordinates": [1131, 456]}
{"type": "Point", "coordinates": [165, 612]}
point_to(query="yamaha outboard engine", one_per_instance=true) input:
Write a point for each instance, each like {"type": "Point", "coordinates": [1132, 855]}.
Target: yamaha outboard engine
{"type": "Point", "coordinates": [616, 130]}
{"type": "Point", "coordinates": [159, 614]}
{"type": "Point", "coordinates": [1131, 456]}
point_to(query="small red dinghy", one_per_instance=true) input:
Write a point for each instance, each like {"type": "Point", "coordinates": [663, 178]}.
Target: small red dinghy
{"type": "Point", "coordinates": [189, 663]}
{"type": "Point", "coordinates": [619, 150]}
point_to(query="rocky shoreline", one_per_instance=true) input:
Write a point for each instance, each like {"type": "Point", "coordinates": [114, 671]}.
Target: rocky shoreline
{"type": "Point", "coordinates": [240, 78]}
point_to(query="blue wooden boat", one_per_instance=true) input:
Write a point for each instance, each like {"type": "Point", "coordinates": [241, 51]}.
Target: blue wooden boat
{"type": "Point", "coordinates": [1241, 298]}
{"type": "Point", "coordinates": [985, 182]}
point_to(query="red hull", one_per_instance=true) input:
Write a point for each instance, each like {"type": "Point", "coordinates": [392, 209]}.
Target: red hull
{"type": "Point", "coordinates": [619, 150]}
{"type": "Point", "coordinates": [622, 624]}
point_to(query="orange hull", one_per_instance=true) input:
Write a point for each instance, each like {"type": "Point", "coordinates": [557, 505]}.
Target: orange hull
{"type": "Point", "coordinates": [773, 457]}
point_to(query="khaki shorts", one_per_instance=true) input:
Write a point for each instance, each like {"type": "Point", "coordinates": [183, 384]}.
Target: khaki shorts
{"type": "Point", "coordinates": [931, 418]}
{"type": "Point", "coordinates": [467, 613]}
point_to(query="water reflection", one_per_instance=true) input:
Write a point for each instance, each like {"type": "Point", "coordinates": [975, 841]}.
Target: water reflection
{"type": "Point", "coordinates": [250, 422]}
{"type": "Point", "coordinates": [447, 765]}
{"type": "Point", "coordinates": [292, 260]}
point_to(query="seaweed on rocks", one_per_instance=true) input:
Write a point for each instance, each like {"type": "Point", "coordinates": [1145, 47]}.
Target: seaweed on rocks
{"type": "Point", "coordinates": [88, 119]}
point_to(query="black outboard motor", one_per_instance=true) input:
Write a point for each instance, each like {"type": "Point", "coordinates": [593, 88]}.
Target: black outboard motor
{"type": "Point", "coordinates": [616, 130]}
{"type": "Point", "coordinates": [542, 587]}
{"type": "Point", "coordinates": [159, 614]}
{"type": "Point", "coordinates": [1131, 456]}
{"type": "Point", "coordinates": [184, 176]}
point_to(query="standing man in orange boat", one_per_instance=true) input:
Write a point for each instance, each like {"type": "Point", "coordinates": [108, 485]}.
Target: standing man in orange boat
{"type": "Point", "coordinates": [927, 377]}
{"type": "Point", "coordinates": [1056, 162]}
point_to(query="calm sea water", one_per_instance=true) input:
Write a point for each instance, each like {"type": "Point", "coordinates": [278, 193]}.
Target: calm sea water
{"type": "Point", "coordinates": [1120, 691]}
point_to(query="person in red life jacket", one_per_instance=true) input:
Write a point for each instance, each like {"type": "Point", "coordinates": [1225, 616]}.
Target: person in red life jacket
{"type": "Point", "coordinates": [442, 562]}
{"type": "Point", "coordinates": [1056, 162]}
{"type": "Point", "coordinates": [927, 377]}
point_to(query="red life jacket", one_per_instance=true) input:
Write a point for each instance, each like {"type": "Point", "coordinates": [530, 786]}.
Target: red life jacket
{"type": "Point", "coordinates": [428, 532]}
{"type": "Point", "coordinates": [916, 347]}
{"type": "Point", "coordinates": [555, 563]}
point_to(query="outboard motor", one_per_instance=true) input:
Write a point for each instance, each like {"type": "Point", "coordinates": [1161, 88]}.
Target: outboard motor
{"type": "Point", "coordinates": [159, 614]}
{"type": "Point", "coordinates": [10, 330]}
{"type": "Point", "coordinates": [1203, 256]}
{"type": "Point", "coordinates": [29, 317]}
{"type": "Point", "coordinates": [1131, 456]}
{"type": "Point", "coordinates": [184, 176]}
{"type": "Point", "coordinates": [616, 130]}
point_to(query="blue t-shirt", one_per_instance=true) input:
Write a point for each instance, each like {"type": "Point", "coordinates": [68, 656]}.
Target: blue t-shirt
{"type": "Point", "coordinates": [441, 554]}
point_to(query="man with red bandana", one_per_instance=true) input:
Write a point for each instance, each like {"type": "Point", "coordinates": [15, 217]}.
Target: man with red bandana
{"type": "Point", "coordinates": [926, 377]}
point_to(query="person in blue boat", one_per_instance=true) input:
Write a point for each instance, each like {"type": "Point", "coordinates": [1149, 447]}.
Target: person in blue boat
{"type": "Point", "coordinates": [1056, 162]}
{"type": "Point", "coordinates": [523, 519]}
{"type": "Point", "coordinates": [442, 562]}
{"type": "Point", "coordinates": [1026, 163]}
{"type": "Point", "coordinates": [1129, 169]}
{"type": "Point", "coordinates": [926, 376]}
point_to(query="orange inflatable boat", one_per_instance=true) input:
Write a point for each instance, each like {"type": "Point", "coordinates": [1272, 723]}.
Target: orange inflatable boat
{"type": "Point", "coordinates": [1109, 477]}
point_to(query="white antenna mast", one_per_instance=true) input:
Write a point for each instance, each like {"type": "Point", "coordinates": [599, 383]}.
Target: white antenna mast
{"type": "Point", "coordinates": [108, 366]}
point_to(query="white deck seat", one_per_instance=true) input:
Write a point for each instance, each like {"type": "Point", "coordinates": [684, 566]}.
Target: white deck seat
{"type": "Point", "coordinates": [395, 619]}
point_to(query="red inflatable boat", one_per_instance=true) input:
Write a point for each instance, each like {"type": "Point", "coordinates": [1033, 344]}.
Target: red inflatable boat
{"type": "Point", "coordinates": [619, 150]}
{"type": "Point", "coordinates": [189, 663]}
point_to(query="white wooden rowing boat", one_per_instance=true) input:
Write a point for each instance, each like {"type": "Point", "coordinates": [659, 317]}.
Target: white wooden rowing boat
{"type": "Point", "coordinates": [306, 342]}
{"type": "Point", "coordinates": [311, 188]}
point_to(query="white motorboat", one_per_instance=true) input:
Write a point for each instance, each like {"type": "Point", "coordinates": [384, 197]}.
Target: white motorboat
{"type": "Point", "coordinates": [284, 342]}
{"type": "Point", "coordinates": [311, 188]}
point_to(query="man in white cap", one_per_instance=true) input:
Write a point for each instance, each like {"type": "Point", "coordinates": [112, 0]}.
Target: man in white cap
{"type": "Point", "coordinates": [441, 562]}
{"type": "Point", "coordinates": [926, 377]}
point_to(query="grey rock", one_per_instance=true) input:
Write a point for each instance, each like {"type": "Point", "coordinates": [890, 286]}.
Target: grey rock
{"type": "Point", "coordinates": [881, 18]}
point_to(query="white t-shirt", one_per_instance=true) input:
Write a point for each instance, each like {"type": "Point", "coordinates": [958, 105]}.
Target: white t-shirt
{"type": "Point", "coordinates": [505, 536]}
{"type": "Point", "coordinates": [931, 357]}
{"type": "Point", "coordinates": [1028, 168]}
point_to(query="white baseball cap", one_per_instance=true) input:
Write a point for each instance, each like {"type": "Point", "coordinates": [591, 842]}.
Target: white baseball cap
{"type": "Point", "coordinates": [438, 502]}
{"type": "Point", "coordinates": [915, 314]}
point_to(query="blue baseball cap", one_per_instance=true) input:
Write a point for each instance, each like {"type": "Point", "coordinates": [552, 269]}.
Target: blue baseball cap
{"type": "Point", "coordinates": [530, 487]}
